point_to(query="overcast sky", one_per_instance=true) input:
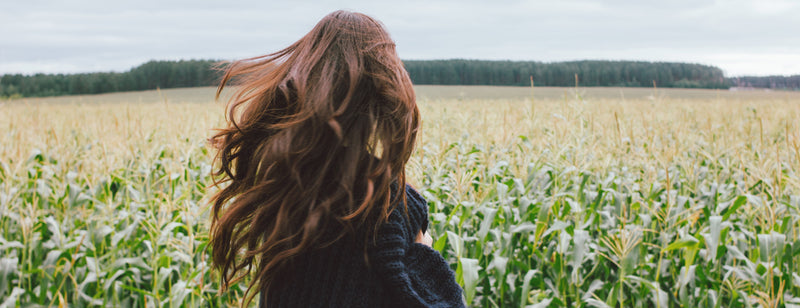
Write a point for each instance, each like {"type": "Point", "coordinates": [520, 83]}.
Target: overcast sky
{"type": "Point", "coordinates": [743, 37]}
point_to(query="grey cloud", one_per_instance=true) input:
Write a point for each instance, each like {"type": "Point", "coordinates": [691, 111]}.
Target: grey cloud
{"type": "Point", "coordinates": [73, 36]}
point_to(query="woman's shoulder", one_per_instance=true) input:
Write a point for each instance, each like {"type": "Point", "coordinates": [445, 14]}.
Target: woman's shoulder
{"type": "Point", "coordinates": [415, 210]}
{"type": "Point", "coordinates": [414, 196]}
{"type": "Point", "coordinates": [418, 206]}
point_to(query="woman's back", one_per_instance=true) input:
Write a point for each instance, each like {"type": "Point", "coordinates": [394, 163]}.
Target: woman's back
{"type": "Point", "coordinates": [333, 276]}
{"type": "Point", "coordinates": [401, 273]}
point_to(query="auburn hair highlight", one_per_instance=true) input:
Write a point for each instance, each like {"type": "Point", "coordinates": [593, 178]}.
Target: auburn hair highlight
{"type": "Point", "coordinates": [316, 135]}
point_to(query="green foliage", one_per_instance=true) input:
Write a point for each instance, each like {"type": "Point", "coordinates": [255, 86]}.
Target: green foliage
{"type": "Point", "coordinates": [148, 76]}
{"type": "Point", "coordinates": [562, 74]}
{"type": "Point", "coordinates": [135, 238]}
{"type": "Point", "coordinates": [696, 206]}
{"type": "Point", "coordinates": [556, 236]}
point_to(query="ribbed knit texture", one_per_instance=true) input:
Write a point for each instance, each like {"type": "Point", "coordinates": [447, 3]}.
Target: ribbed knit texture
{"type": "Point", "coordinates": [402, 273]}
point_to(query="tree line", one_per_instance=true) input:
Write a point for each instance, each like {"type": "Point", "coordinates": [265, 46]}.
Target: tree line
{"type": "Point", "coordinates": [768, 82]}
{"type": "Point", "coordinates": [195, 73]}
{"type": "Point", "coordinates": [148, 76]}
{"type": "Point", "coordinates": [589, 73]}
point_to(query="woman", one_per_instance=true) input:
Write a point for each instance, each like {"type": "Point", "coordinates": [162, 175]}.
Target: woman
{"type": "Point", "coordinates": [314, 155]}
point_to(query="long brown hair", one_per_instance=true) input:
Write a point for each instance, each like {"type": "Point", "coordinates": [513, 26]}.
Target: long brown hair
{"type": "Point", "coordinates": [316, 135]}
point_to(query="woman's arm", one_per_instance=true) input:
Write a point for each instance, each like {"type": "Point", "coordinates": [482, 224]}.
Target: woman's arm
{"type": "Point", "coordinates": [414, 274]}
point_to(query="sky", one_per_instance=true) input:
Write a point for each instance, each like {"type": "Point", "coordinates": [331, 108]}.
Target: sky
{"type": "Point", "coordinates": [742, 37]}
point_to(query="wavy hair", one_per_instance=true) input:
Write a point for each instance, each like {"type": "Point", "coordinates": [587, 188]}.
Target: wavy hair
{"type": "Point", "coordinates": [317, 133]}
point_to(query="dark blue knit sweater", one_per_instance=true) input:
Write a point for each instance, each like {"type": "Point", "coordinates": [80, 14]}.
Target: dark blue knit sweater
{"type": "Point", "coordinates": [401, 273]}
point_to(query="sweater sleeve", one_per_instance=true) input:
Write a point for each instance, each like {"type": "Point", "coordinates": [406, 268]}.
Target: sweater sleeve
{"type": "Point", "coordinates": [417, 211]}
{"type": "Point", "coordinates": [415, 275]}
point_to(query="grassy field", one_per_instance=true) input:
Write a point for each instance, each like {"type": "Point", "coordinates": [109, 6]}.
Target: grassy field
{"type": "Point", "coordinates": [587, 197]}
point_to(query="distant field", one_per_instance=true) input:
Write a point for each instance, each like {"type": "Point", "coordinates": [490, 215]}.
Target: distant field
{"type": "Point", "coordinates": [456, 92]}
{"type": "Point", "coordinates": [622, 94]}
{"type": "Point", "coordinates": [595, 197]}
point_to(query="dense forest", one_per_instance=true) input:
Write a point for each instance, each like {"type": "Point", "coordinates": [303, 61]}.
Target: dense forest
{"type": "Point", "coordinates": [590, 73]}
{"type": "Point", "coordinates": [148, 76]}
{"type": "Point", "coordinates": [194, 73]}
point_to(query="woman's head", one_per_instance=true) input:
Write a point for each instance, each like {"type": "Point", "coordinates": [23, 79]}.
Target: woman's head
{"type": "Point", "coordinates": [317, 133]}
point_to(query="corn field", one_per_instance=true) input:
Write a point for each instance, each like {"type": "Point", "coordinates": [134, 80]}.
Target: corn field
{"type": "Point", "coordinates": [566, 200]}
